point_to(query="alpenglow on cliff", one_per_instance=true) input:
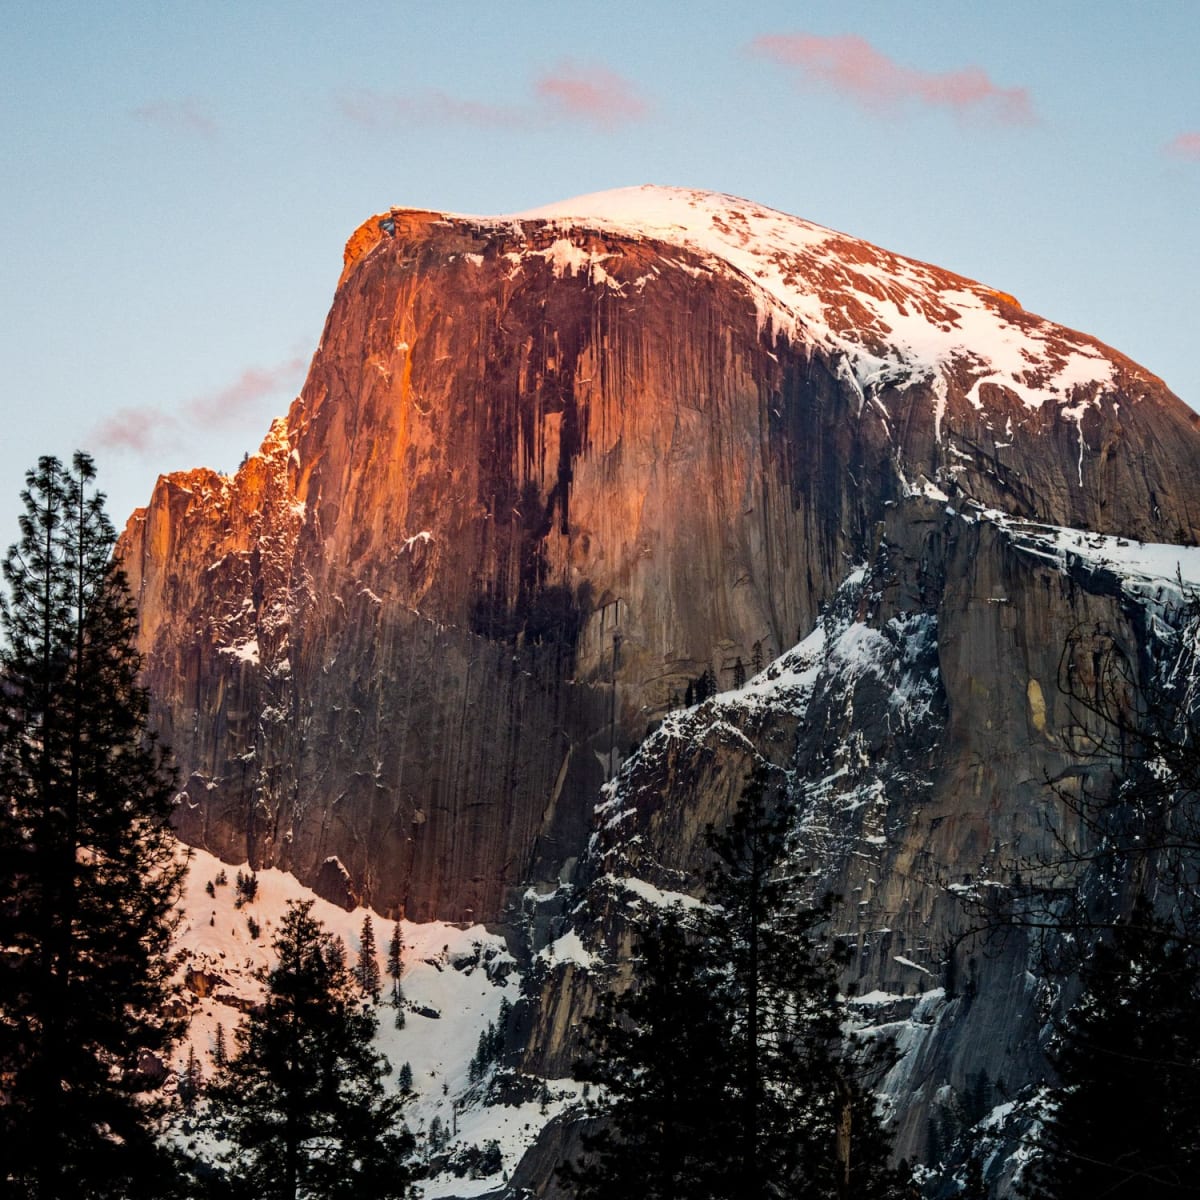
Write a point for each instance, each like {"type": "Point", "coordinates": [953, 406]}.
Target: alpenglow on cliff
{"type": "Point", "coordinates": [549, 469]}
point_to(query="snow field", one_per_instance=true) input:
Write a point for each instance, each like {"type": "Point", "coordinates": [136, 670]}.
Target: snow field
{"type": "Point", "coordinates": [444, 973]}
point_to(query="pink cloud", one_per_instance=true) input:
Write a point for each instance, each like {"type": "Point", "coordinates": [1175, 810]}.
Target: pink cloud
{"type": "Point", "coordinates": [142, 430]}
{"type": "Point", "coordinates": [224, 407]}
{"type": "Point", "coordinates": [186, 116]}
{"type": "Point", "coordinates": [852, 66]}
{"type": "Point", "coordinates": [1185, 145]}
{"type": "Point", "coordinates": [592, 94]}
{"type": "Point", "coordinates": [147, 431]}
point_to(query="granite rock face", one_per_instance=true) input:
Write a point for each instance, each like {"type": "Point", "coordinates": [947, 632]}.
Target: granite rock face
{"type": "Point", "coordinates": [545, 471]}
{"type": "Point", "coordinates": [536, 456]}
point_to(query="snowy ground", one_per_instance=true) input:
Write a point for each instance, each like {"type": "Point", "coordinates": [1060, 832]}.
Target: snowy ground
{"type": "Point", "coordinates": [462, 974]}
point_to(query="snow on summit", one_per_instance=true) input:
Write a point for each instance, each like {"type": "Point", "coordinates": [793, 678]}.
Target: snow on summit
{"type": "Point", "coordinates": [895, 320]}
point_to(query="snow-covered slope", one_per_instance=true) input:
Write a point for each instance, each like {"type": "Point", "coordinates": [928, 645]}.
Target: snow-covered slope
{"type": "Point", "coordinates": [455, 980]}
{"type": "Point", "coordinates": [894, 318]}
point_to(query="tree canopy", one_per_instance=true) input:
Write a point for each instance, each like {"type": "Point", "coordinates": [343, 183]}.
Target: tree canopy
{"type": "Point", "coordinates": [89, 871]}
{"type": "Point", "coordinates": [724, 1071]}
{"type": "Point", "coordinates": [1124, 1121]}
{"type": "Point", "coordinates": [302, 1105]}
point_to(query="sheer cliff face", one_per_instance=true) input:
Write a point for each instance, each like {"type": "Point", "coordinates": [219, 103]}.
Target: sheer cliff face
{"type": "Point", "coordinates": [544, 471]}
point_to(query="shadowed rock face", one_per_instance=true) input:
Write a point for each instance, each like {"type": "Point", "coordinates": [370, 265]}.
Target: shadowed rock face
{"type": "Point", "coordinates": [912, 735]}
{"type": "Point", "coordinates": [534, 457]}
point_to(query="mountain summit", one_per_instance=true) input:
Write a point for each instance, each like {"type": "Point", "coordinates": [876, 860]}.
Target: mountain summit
{"type": "Point", "coordinates": [893, 318]}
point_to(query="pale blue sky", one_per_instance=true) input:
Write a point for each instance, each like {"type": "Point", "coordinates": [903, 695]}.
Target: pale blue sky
{"type": "Point", "coordinates": [180, 178]}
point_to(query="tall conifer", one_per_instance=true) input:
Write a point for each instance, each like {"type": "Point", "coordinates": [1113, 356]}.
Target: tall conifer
{"type": "Point", "coordinates": [302, 1104]}
{"type": "Point", "coordinates": [1124, 1120]}
{"type": "Point", "coordinates": [724, 1069]}
{"type": "Point", "coordinates": [89, 872]}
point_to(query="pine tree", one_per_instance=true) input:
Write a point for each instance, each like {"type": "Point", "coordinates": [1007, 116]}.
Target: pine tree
{"type": "Point", "coordinates": [89, 872]}
{"type": "Point", "coordinates": [395, 969]}
{"type": "Point", "coordinates": [404, 1079]}
{"type": "Point", "coordinates": [724, 1071]}
{"type": "Point", "coordinates": [395, 958]}
{"type": "Point", "coordinates": [302, 1104]}
{"type": "Point", "coordinates": [1124, 1121]}
{"type": "Point", "coordinates": [739, 673]}
{"type": "Point", "coordinates": [805, 1119]}
{"type": "Point", "coordinates": [367, 971]}
{"type": "Point", "coordinates": [220, 1051]}
{"type": "Point", "coordinates": [656, 1052]}
{"type": "Point", "coordinates": [191, 1081]}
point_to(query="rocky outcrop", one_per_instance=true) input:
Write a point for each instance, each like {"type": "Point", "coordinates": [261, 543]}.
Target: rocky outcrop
{"type": "Point", "coordinates": [914, 735]}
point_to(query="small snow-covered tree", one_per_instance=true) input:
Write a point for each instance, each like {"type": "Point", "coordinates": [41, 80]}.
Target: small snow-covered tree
{"type": "Point", "coordinates": [404, 1079]}
{"type": "Point", "coordinates": [367, 971]}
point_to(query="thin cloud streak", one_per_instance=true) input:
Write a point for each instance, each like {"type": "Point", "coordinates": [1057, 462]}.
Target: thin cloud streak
{"type": "Point", "coordinates": [570, 93]}
{"type": "Point", "coordinates": [1185, 145]}
{"type": "Point", "coordinates": [229, 404]}
{"type": "Point", "coordinates": [593, 94]}
{"type": "Point", "coordinates": [432, 106]}
{"type": "Point", "coordinates": [851, 66]}
{"type": "Point", "coordinates": [180, 116]}
{"type": "Point", "coordinates": [147, 431]}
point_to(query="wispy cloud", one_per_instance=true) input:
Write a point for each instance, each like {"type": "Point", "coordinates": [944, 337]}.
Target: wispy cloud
{"type": "Point", "coordinates": [593, 94]}
{"type": "Point", "coordinates": [147, 430]}
{"type": "Point", "coordinates": [850, 65]}
{"type": "Point", "coordinates": [228, 405]}
{"type": "Point", "coordinates": [571, 92]}
{"type": "Point", "coordinates": [1185, 145]}
{"type": "Point", "coordinates": [178, 116]}
{"type": "Point", "coordinates": [141, 430]}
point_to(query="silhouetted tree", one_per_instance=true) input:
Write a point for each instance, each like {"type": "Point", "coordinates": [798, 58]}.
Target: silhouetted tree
{"type": "Point", "coordinates": [1125, 1117]}
{"type": "Point", "coordinates": [655, 1051]}
{"type": "Point", "coordinates": [395, 958]}
{"type": "Point", "coordinates": [302, 1105]}
{"type": "Point", "coordinates": [89, 872]}
{"type": "Point", "coordinates": [395, 969]}
{"type": "Point", "coordinates": [1124, 1120]}
{"type": "Point", "coordinates": [739, 673]}
{"type": "Point", "coordinates": [723, 1068]}
{"type": "Point", "coordinates": [191, 1081]}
